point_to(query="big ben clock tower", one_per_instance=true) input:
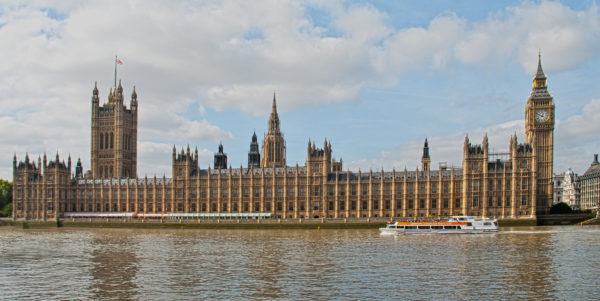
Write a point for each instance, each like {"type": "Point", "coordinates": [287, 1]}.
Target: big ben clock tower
{"type": "Point", "coordinates": [539, 128]}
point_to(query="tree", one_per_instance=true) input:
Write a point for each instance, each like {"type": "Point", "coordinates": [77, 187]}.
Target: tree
{"type": "Point", "coordinates": [5, 198]}
{"type": "Point", "coordinates": [560, 208]}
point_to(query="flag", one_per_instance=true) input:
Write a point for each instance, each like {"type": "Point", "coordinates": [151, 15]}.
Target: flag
{"type": "Point", "coordinates": [119, 62]}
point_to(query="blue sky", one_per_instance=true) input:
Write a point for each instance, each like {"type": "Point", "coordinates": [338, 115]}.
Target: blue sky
{"type": "Point", "coordinates": [374, 77]}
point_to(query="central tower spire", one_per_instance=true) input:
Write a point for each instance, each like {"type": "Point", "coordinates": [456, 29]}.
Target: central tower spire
{"type": "Point", "coordinates": [273, 144]}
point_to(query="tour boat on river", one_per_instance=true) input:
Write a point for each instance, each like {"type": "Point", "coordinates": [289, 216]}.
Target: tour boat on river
{"type": "Point", "coordinates": [455, 225]}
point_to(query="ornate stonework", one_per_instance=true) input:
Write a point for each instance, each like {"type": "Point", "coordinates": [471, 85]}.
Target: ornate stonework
{"type": "Point", "coordinates": [513, 184]}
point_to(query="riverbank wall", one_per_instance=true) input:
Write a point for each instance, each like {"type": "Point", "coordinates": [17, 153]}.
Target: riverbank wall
{"type": "Point", "coordinates": [562, 219]}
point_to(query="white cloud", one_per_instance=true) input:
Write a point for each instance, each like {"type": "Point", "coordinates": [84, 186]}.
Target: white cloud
{"type": "Point", "coordinates": [447, 149]}
{"type": "Point", "coordinates": [577, 139]}
{"type": "Point", "coordinates": [184, 53]}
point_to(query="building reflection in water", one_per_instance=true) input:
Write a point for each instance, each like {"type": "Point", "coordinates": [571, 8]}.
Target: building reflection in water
{"type": "Point", "coordinates": [114, 266]}
{"type": "Point", "coordinates": [529, 255]}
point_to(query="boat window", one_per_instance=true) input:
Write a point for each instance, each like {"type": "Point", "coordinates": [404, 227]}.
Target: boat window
{"type": "Point", "coordinates": [410, 227]}
{"type": "Point", "coordinates": [469, 224]}
{"type": "Point", "coordinates": [487, 224]}
{"type": "Point", "coordinates": [423, 227]}
{"type": "Point", "coordinates": [437, 227]}
{"type": "Point", "coordinates": [449, 227]}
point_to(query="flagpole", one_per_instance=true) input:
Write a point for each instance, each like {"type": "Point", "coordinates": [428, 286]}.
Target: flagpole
{"type": "Point", "coordinates": [115, 72]}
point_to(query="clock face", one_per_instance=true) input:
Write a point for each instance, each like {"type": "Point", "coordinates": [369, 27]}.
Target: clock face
{"type": "Point", "coordinates": [541, 115]}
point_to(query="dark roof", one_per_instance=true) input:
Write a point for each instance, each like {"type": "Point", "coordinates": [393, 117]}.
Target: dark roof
{"type": "Point", "coordinates": [594, 169]}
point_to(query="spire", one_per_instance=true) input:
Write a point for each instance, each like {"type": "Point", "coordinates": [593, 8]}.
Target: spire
{"type": "Point", "coordinates": [274, 107]}
{"type": "Point", "coordinates": [426, 149]}
{"type": "Point", "coordinates": [539, 81]}
{"type": "Point", "coordinates": [120, 88]}
{"type": "Point", "coordinates": [133, 94]}
{"type": "Point", "coordinates": [95, 91]}
{"type": "Point", "coordinates": [540, 72]}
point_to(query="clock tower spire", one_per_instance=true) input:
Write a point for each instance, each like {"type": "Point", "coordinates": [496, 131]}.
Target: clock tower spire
{"type": "Point", "coordinates": [539, 126]}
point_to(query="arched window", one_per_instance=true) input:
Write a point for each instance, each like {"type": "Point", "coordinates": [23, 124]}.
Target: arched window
{"type": "Point", "coordinates": [106, 140]}
{"type": "Point", "coordinates": [101, 141]}
{"type": "Point", "coordinates": [112, 140]}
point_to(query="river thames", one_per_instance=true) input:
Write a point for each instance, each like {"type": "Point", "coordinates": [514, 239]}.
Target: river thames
{"type": "Point", "coordinates": [542, 263]}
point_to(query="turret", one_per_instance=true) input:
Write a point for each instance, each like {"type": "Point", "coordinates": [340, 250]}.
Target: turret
{"type": "Point", "coordinates": [79, 169]}
{"type": "Point", "coordinates": [220, 159]}
{"type": "Point", "coordinates": [425, 160]}
{"type": "Point", "coordinates": [95, 97]}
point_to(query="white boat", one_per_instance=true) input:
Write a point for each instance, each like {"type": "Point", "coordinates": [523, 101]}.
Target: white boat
{"type": "Point", "coordinates": [455, 225]}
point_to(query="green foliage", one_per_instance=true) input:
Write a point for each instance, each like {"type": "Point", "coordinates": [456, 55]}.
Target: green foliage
{"type": "Point", "coordinates": [560, 208]}
{"type": "Point", "coordinates": [7, 210]}
{"type": "Point", "coordinates": [5, 198]}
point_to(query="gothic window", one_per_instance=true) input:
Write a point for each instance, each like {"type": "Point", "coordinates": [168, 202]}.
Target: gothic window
{"type": "Point", "coordinates": [280, 192]}
{"type": "Point", "coordinates": [101, 141]}
{"type": "Point", "coordinates": [291, 206]}
{"type": "Point", "coordinates": [317, 191]}
{"type": "Point", "coordinates": [445, 203]}
{"type": "Point", "coordinates": [475, 202]}
{"type": "Point", "coordinates": [523, 200]}
{"type": "Point", "coordinates": [421, 203]}
{"type": "Point", "coordinates": [112, 140]}
{"type": "Point", "coordinates": [410, 204]}
{"type": "Point", "coordinates": [387, 204]}
{"type": "Point", "coordinates": [475, 185]}
{"type": "Point", "coordinates": [457, 203]}
{"type": "Point", "coordinates": [398, 204]}
{"type": "Point", "coordinates": [434, 203]}
{"type": "Point", "coordinates": [106, 140]}
{"type": "Point", "coordinates": [268, 192]}
{"type": "Point", "coordinates": [291, 191]}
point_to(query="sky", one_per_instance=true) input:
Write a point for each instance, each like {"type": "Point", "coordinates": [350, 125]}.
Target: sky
{"type": "Point", "coordinates": [375, 78]}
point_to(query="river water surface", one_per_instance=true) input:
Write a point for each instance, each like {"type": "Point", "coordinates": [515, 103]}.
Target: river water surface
{"type": "Point", "coordinates": [517, 263]}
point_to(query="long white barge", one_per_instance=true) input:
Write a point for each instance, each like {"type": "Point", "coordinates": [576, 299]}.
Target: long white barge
{"type": "Point", "coordinates": [455, 225]}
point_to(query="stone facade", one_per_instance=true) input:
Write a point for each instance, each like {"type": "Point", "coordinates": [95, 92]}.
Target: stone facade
{"type": "Point", "coordinates": [506, 185]}
{"type": "Point", "coordinates": [114, 136]}
{"type": "Point", "coordinates": [590, 186]}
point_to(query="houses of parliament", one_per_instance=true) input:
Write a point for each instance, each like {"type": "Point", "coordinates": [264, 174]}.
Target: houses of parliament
{"type": "Point", "coordinates": [513, 184]}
